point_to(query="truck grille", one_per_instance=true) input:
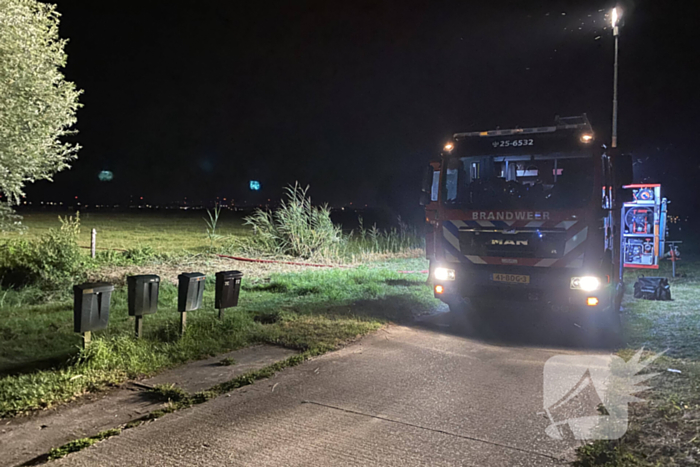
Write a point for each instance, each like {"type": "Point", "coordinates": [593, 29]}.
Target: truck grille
{"type": "Point", "coordinates": [519, 244]}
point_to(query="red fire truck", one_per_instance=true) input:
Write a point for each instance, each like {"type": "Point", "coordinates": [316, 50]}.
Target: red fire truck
{"type": "Point", "coordinates": [527, 216]}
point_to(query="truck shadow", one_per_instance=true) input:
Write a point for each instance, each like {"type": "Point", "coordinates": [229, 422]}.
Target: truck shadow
{"type": "Point", "coordinates": [520, 328]}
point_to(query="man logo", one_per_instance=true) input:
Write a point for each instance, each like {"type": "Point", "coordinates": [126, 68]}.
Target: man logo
{"type": "Point", "coordinates": [497, 241]}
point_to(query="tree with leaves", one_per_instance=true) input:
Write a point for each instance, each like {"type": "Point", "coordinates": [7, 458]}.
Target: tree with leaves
{"type": "Point", "coordinates": [37, 104]}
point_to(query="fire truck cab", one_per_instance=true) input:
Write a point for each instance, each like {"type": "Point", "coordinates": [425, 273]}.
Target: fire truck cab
{"type": "Point", "coordinates": [527, 216]}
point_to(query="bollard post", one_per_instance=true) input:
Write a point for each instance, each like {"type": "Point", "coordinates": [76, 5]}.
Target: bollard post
{"type": "Point", "coordinates": [93, 241]}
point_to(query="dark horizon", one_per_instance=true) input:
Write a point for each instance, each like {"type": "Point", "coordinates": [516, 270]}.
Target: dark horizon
{"type": "Point", "coordinates": [194, 100]}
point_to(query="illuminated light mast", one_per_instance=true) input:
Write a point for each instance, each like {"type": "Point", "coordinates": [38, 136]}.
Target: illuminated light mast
{"type": "Point", "coordinates": [615, 19]}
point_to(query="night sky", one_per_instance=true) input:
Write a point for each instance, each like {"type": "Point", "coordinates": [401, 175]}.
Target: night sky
{"type": "Point", "coordinates": [193, 99]}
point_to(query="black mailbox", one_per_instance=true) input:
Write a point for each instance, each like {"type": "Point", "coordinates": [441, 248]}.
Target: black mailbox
{"type": "Point", "coordinates": [91, 306]}
{"type": "Point", "coordinates": [190, 291]}
{"type": "Point", "coordinates": [143, 294]}
{"type": "Point", "coordinates": [228, 286]}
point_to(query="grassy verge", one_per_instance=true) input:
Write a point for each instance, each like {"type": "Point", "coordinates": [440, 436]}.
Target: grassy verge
{"type": "Point", "coordinates": [664, 430]}
{"type": "Point", "coordinates": [314, 311]}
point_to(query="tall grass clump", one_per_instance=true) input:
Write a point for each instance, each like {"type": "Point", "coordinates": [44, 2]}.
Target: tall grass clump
{"type": "Point", "coordinates": [50, 262]}
{"type": "Point", "coordinates": [212, 224]}
{"type": "Point", "coordinates": [300, 230]}
{"type": "Point", "coordinates": [375, 241]}
{"type": "Point", "coordinates": [296, 228]}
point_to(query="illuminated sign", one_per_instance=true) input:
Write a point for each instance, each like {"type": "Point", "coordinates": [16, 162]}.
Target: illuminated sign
{"type": "Point", "coordinates": [255, 185]}
{"type": "Point", "coordinates": [105, 176]}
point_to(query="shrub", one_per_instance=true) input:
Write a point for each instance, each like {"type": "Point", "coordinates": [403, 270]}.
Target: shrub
{"type": "Point", "coordinates": [296, 228]}
{"type": "Point", "coordinates": [51, 262]}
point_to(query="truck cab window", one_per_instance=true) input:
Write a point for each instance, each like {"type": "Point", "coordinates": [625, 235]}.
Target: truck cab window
{"type": "Point", "coordinates": [519, 182]}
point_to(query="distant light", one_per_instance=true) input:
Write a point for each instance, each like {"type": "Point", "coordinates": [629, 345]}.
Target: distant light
{"type": "Point", "coordinates": [615, 17]}
{"type": "Point", "coordinates": [449, 147]}
{"type": "Point", "coordinates": [586, 138]}
{"type": "Point", "coordinates": [254, 185]}
{"type": "Point", "coordinates": [105, 176]}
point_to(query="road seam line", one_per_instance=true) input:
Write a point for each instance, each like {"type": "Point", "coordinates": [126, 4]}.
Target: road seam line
{"type": "Point", "coordinates": [470, 438]}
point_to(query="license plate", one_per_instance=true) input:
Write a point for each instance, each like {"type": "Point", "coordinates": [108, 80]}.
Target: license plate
{"type": "Point", "coordinates": [511, 278]}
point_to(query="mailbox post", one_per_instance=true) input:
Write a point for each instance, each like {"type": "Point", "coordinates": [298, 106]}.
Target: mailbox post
{"type": "Point", "coordinates": [143, 298]}
{"type": "Point", "coordinates": [91, 308]}
{"type": "Point", "coordinates": [189, 295]}
{"type": "Point", "coordinates": [228, 287]}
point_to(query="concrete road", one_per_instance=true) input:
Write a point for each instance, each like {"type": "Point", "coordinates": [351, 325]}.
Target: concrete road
{"type": "Point", "coordinates": [446, 390]}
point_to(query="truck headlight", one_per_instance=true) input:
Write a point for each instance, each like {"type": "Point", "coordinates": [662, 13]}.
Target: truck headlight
{"type": "Point", "coordinates": [444, 274]}
{"type": "Point", "coordinates": [585, 283]}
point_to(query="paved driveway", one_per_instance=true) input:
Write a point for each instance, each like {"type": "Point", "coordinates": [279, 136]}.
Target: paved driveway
{"type": "Point", "coordinates": [444, 391]}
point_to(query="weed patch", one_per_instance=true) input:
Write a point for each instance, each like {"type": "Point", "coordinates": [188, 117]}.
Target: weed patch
{"type": "Point", "coordinates": [267, 318]}
{"type": "Point", "coordinates": [80, 444]}
{"type": "Point", "coordinates": [169, 393]}
{"type": "Point", "coordinates": [604, 453]}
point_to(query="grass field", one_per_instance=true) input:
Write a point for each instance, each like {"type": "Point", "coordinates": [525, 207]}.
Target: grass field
{"type": "Point", "coordinates": [664, 430]}
{"type": "Point", "coordinates": [312, 310]}
{"type": "Point", "coordinates": [306, 311]}
{"type": "Point", "coordinates": [168, 232]}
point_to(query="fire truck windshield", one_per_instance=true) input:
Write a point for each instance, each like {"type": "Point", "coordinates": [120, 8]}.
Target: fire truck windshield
{"type": "Point", "coordinates": [515, 182]}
